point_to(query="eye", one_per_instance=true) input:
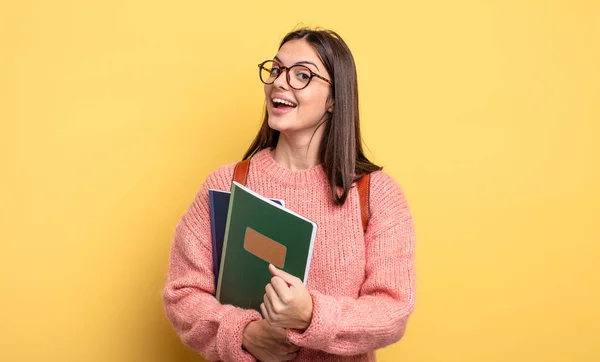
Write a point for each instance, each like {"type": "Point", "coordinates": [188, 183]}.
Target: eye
{"type": "Point", "coordinates": [275, 71]}
{"type": "Point", "coordinates": [303, 75]}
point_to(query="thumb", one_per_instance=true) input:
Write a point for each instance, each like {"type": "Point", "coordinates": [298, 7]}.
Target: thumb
{"type": "Point", "coordinates": [288, 278]}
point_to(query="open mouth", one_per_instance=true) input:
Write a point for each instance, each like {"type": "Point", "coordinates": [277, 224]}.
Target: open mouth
{"type": "Point", "coordinates": [282, 103]}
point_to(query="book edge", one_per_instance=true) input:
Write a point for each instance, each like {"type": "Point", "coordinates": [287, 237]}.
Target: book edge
{"type": "Point", "coordinates": [271, 202]}
{"type": "Point", "coordinates": [310, 250]}
{"type": "Point", "coordinates": [227, 192]}
{"type": "Point", "coordinates": [213, 228]}
{"type": "Point", "coordinates": [225, 239]}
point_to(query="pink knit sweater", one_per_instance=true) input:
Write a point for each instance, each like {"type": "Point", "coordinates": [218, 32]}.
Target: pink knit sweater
{"type": "Point", "coordinates": [362, 284]}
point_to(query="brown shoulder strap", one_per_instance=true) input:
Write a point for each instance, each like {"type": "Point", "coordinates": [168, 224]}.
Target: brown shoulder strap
{"type": "Point", "coordinates": [363, 196]}
{"type": "Point", "coordinates": [240, 172]}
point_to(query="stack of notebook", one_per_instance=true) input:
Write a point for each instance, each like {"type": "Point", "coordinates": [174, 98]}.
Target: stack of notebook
{"type": "Point", "coordinates": [249, 232]}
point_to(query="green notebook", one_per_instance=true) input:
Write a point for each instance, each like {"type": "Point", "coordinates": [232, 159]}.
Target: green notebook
{"type": "Point", "coordinates": [260, 232]}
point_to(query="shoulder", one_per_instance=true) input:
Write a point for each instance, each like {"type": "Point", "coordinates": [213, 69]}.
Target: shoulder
{"type": "Point", "coordinates": [386, 193]}
{"type": "Point", "coordinates": [382, 184]}
{"type": "Point", "coordinates": [220, 178]}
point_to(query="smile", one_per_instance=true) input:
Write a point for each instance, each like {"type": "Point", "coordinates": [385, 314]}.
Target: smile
{"type": "Point", "coordinates": [278, 102]}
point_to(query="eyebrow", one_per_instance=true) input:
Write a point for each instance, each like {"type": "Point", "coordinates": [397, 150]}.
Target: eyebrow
{"type": "Point", "coordinates": [300, 62]}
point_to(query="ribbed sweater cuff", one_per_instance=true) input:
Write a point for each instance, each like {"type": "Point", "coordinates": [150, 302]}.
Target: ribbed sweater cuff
{"type": "Point", "coordinates": [322, 330]}
{"type": "Point", "coordinates": [230, 335]}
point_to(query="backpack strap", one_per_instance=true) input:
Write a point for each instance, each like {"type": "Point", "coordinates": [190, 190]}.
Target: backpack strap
{"type": "Point", "coordinates": [240, 172]}
{"type": "Point", "coordinates": [240, 175]}
{"type": "Point", "coordinates": [363, 195]}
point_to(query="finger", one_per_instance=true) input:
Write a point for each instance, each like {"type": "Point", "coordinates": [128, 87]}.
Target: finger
{"type": "Point", "coordinates": [273, 303]}
{"type": "Point", "coordinates": [265, 312]}
{"type": "Point", "coordinates": [268, 308]}
{"type": "Point", "coordinates": [291, 348]}
{"type": "Point", "coordinates": [289, 356]}
{"type": "Point", "coordinates": [288, 278]}
{"type": "Point", "coordinates": [271, 293]}
{"type": "Point", "coordinates": [282, 289]}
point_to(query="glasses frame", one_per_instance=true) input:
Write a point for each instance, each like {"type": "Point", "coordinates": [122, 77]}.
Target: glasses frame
{"type": "Point", "coordinates": [287, 74]}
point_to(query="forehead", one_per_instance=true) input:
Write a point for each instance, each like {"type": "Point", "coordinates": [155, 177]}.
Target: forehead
{"type": "Point", "coordinates": [299, 50]}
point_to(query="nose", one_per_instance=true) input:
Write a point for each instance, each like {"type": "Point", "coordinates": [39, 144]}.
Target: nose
{"type": "Point", "coordinates": [281, 80]}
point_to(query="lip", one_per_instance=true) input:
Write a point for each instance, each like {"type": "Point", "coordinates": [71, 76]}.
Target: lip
{"type": "Point", "coordinates": [283, 110]}
{"type": "Point", "coordinates": [280, 111]}
{"type": "Point", "coordinates": [281, 96]}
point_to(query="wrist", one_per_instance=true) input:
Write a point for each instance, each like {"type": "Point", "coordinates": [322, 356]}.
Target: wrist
{"type": "Point", "coordinates": [308, 314]}
{"type": "Point", "coordinates": [246, 334]}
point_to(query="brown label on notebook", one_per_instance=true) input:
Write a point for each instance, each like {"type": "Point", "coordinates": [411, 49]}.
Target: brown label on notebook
{"type": "Point", "coordinates": [265, 248]}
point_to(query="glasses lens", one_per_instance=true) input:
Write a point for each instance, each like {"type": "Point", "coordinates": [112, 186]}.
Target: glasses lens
{"type": "Point", "coordinates": [299, 76]}
{"type": "Point", "coordinates": [268, 72]}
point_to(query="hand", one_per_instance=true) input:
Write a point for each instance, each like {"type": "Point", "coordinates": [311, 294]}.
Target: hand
{"type": "Point", "coordinates": [287, 303]}
{"type": "Point", "coordinates": [267, 343]}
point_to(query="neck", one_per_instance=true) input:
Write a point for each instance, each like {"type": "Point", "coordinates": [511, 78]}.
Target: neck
{"type": "Point", "coordinates": [298, 153]}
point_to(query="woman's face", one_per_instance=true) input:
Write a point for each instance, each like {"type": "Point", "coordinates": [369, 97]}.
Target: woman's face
{"type": "Point", "coordinates": [306, 108]}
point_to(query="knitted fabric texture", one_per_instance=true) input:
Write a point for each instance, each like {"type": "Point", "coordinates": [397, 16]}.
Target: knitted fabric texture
{"type": "Point", "coordinates": [362, 283]}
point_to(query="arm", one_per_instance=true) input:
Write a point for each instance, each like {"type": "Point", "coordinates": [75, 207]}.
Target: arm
{"type": "Point", "coordinates": [378, 317]}
{"type": "Point", "coordinates": [213, 330]}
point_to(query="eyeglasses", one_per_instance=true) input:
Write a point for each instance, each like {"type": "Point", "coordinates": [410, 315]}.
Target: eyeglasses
{"type": "Point", "coordinates": [298, 76]}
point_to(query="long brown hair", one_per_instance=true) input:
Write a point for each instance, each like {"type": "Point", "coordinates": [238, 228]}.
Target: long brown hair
{"type": "Point", "coordinates": [340, 152]}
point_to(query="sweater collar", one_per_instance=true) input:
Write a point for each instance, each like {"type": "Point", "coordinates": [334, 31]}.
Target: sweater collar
{"type": "Point", "coordinates": [265, 162]}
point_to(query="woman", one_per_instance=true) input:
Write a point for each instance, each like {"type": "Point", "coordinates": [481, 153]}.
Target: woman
{"type": "Point", "coordinates": [360, 289]}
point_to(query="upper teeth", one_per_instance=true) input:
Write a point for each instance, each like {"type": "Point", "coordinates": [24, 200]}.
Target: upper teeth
{"type": "Point", "coordinates": [283, 101]}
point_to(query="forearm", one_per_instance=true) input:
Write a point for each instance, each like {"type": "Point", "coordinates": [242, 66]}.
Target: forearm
{"type": "Point", "coordinates": [215, 331]}
{"type": "Point", "coordinates": [347, 326]}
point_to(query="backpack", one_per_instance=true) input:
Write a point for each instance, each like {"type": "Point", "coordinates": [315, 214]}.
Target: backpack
{"type": "Point", "coordinates": [240, 175]}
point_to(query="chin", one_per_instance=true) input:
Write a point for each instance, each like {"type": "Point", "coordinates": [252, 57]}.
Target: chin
{"type": "Point", "coordinates": [279, 123]}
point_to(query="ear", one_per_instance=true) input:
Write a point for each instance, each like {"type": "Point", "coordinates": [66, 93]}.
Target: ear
{"type": "Point", "coordinates": [330, 105]}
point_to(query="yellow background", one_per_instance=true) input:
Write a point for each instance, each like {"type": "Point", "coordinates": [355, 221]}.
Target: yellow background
{"type": "Point", "coordinates": [113, 112]}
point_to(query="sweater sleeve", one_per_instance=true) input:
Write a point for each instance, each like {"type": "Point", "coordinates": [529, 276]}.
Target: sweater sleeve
{"type": "Point", "coordinates": [378, 317]}
{"type": "Point", "coordinates": [213, 330]}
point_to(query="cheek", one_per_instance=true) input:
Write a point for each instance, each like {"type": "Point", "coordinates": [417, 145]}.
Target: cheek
{"type": "Point", "coordinates": [317, 101]}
